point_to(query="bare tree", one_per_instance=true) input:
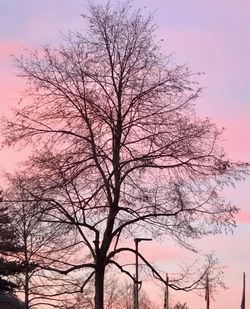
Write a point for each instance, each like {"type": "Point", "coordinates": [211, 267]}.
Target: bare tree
{"type": "Point", "coordinates": [117, 295]}
{"type": "Point", "coordinates": [180, 306]}
{"type": "Point", "coordinates": [118, 148]}
{"type": "Point", "coordinates": [38, 241]}
{"type": "Point", "coordinates": [31, 235]}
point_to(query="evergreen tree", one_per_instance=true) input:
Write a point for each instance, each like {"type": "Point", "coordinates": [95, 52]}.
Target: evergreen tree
{"type": "Point", "coordinates": [9, 245]}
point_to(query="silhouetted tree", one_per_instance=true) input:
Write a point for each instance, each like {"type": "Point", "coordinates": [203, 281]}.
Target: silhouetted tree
{"type": "Point", "coordinates": [117, 295]}
{"type": "Point", "coordinates": [180, 306]}
{"type": "Point", "coordinates": [118, 148]}
{"type": "Point", "coordinates": [9, 245]}
{"type": "Point", "coordinates": [38, 241]}
{"type": "Point", "coordinates": [33, 237]}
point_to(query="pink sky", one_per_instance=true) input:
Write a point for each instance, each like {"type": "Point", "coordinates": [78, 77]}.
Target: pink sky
{"type": "Point", "coordinates": [211, 36]}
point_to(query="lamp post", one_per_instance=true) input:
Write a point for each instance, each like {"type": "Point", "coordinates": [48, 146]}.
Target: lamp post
{"type": "Point", "coordinates": [136, 296]}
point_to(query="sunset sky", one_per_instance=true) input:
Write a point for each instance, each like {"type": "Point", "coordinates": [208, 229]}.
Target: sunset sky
{"type": "Point", "coordinates": [210, 36]}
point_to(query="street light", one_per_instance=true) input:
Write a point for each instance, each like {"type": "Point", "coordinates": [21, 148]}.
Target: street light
{"type": "Point", "coordinates": [136, 298]}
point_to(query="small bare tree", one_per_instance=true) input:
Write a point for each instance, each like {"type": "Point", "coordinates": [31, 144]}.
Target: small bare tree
{"type": "Point", "coordinates": [117, 295]}
{"type": "Point", "coordinates": [118, 148]}
{"type": "Point", "coordinates": [180, 306]}
{"type": "Point", "coordinates": [38, 241]}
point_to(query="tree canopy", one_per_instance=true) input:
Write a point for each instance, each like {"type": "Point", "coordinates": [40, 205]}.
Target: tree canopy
{"type": "Point", "coordinates": [118, 148]}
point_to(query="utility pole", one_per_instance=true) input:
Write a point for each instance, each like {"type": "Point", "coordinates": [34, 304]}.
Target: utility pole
{"type": "Point", "coordinates": [166, 296]}
{"type": "Point", "coordinates": [207, 295]}
{"type": "Point", "coordinates": [136, 296]}
{"type": "Point", "coordinates": [243, 300]}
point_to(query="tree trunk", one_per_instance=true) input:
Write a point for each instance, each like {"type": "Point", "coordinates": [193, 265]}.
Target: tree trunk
{"type": "Point", "coordinates": [26, 290]}
{"type": "Point", "coordinates": [27, 269]}
{"type": "Point", "coordinates": [99, 287]}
